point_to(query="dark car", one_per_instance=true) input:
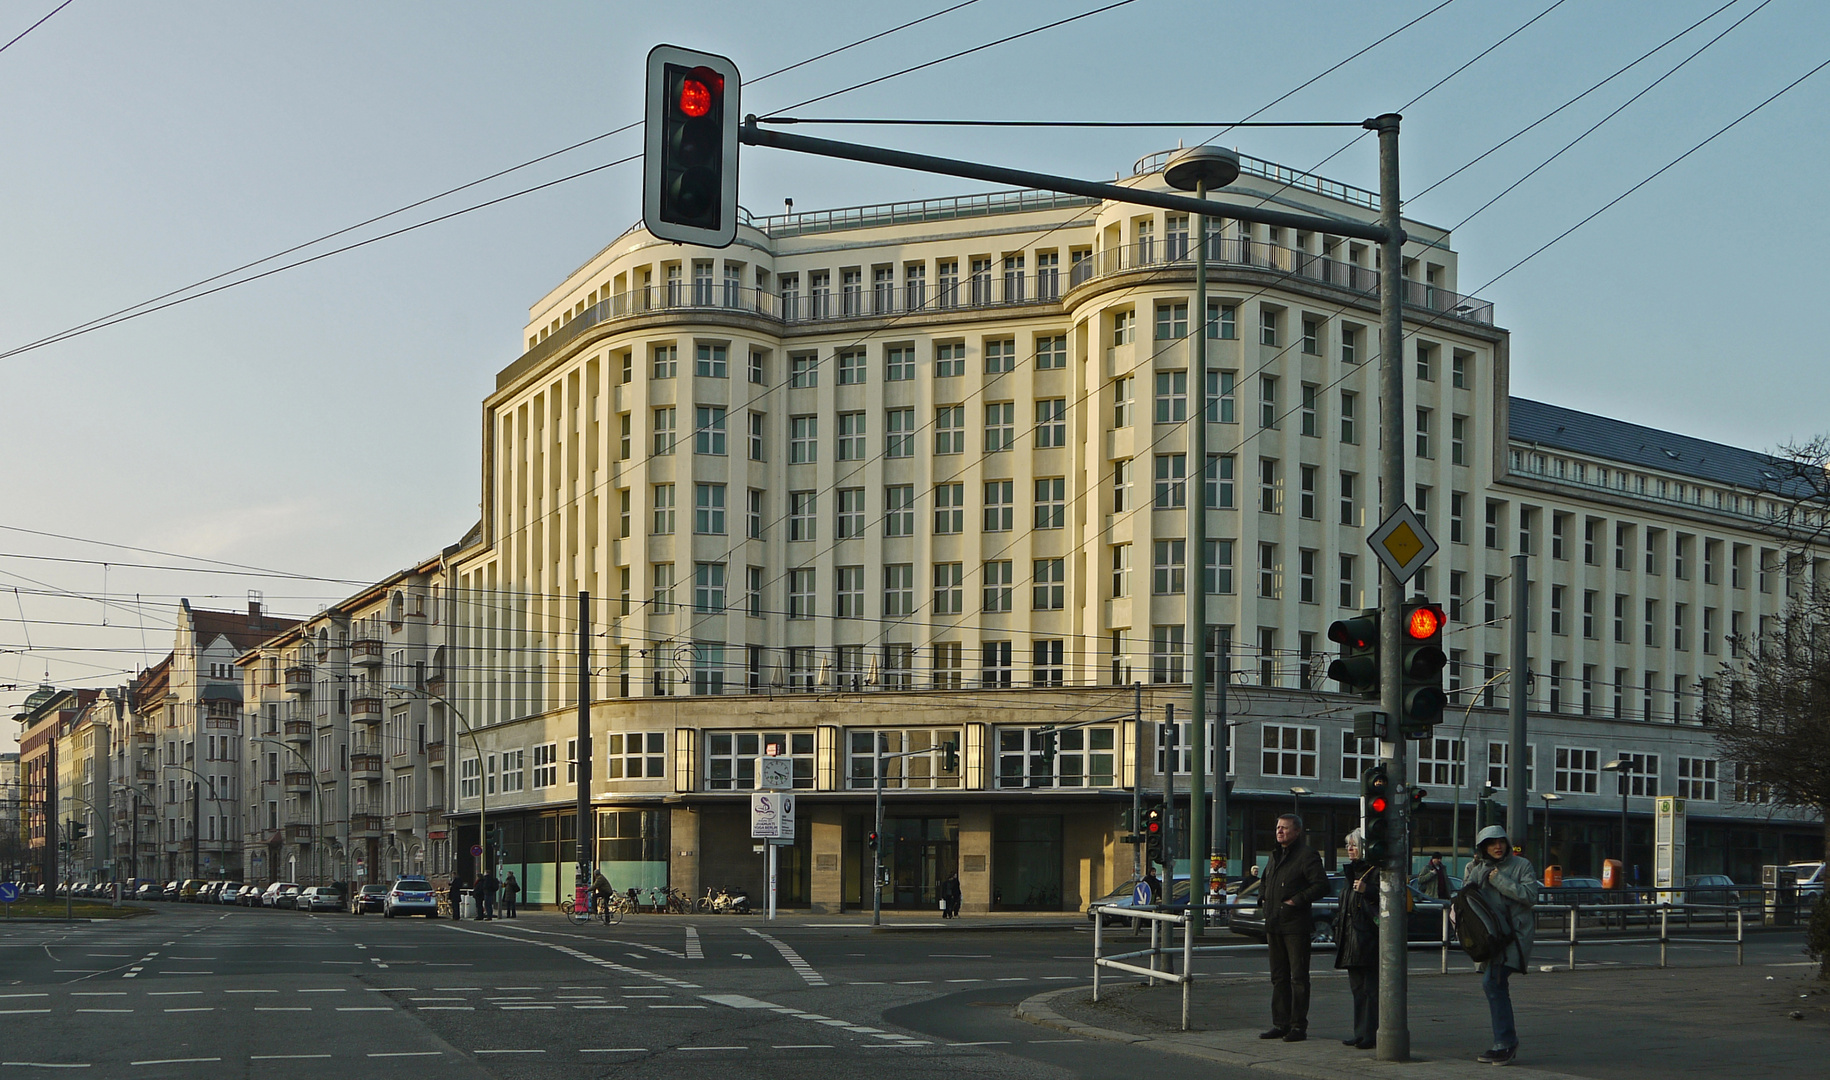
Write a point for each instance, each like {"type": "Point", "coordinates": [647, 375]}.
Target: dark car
{"type": "Point", "coordinates": [1579, 890]}
{"type": "Point", "coordinates": [149, 890]}
{"type": "Point", "coordinates": [369, 898]}
{"type": "Point", "coordinates": [171, 889]}
{"type": "Point", "coordinates": [1247, 920]}
{"type": "Point", "coordinates": [1125, 896]}
{"type": "Point", "coordinates": [1715, 890]}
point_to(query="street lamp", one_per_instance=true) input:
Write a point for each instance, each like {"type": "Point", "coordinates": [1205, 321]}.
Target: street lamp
{"type": "Point", "coordinates": [1544, 855]}
{"type": "Point", "coordinates": [1296, 799]}
{"type": "Point", "coordinates": [482, 788]}
{"type": "Point", "coordinates": [197, 781]}
{"type": "Point", "coordinates": [1620, 767]}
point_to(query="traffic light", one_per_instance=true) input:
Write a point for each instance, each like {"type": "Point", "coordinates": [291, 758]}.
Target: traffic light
{"type": "Point", "coordinates": [1047, 739]}
{"type": "Point", "coordinates": [689, 170]}
{"type": "Point", "coordinates": [1490, 810]}
{"type": "Point", "coordinates": [1417, 795]}
{"type": "Point", "coordinates": [1153, 835]}
{"type": "Point", "coordinates": [79, 829]}
{"type": "Point", "coordinates": [871, 839]}
{"type": "Point", "coordinates": [1358, 668]}
{"type": "Point", "coordinates": [949, 756]}
{"type": "Point", "coordinates": [1376, 813]}
{"type": "Point", "coordinates": [1420, 668]}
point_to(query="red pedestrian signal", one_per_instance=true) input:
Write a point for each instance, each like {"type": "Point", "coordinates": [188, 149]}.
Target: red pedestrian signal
{"type": "Point", "coordinates": [689, 168]}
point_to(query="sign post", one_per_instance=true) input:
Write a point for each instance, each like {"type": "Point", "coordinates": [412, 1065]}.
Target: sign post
{"type": "Point", "coordinates": [772, 822]}
{"type": "Point", "coordinates": [1668, 850]}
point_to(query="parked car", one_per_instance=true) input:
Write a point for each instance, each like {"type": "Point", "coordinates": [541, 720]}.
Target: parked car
{"type": "Point", "coordinates": [369, 898]}
{"type": "Point", "coordinates": [206, 893]}
{"type": "Point", "coordinates": [148, 891]}
{"type": "Point", "coordinates": [411, 896]}
{"type": "Point", "coordinates": [250, 896]}
{"type": "Point", "coordinates": [1125, 896]}
{"type": "Point", "coordinates": [1245, 919]}
{"type": "Point", "coordinates": [187, 892]}
{"type": "Point", "coordinates": [172, 889]}
{"type": "Point", "coordinates": [271, 896]}
{"type": "Point", "coordinates": [1810, 878]}
{"type": "Point", "coordinates": [1716, 890]}
{"type": "Point", "coordinates": [320, 898]}
{"type": "Point", "coordinates": [229, 892]}
{"type": "Point", "coordinates": [1580, 890]}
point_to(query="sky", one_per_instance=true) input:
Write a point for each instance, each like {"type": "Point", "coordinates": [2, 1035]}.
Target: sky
{"type": "Point", "coordinates": [324, 421]}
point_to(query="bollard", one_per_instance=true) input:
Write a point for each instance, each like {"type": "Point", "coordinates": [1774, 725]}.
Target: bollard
{"type": "Point", "coordinates": [1099, 919]}
{"type": "Point", "coordinates": [1664, 936]}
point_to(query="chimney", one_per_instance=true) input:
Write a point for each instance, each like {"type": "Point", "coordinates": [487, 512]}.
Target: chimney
{"type": "Point", "coordinates": [254, 609]}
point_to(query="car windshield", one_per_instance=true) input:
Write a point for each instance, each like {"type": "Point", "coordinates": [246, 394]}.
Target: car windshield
{"type": "Point", "coordinates": [413, 885]}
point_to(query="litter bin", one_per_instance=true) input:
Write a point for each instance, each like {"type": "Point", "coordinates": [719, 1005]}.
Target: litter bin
{"type": "Point", "coordinates": [1613, 874]}
{"type": "Point", "coordinates": [1553, 876]}
{"type": "Point", "coordinates": [470, 904]}
{"type": "Point", "coordinates": [1781, 887]}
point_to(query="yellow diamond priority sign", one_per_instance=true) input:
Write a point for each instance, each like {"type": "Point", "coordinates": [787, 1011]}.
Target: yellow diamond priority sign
{"type": "Point", "coordinates": [1402, 543]}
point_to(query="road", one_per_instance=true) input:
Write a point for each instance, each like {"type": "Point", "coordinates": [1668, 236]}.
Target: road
{"type": "Point", "coordinates": [190, 991]}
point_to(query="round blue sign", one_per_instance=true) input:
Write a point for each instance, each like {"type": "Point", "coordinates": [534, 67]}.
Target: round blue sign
{"type": "Point", "coordinates": [9, 892]}
{"type": "Point", "coordinates": [1142, 895]}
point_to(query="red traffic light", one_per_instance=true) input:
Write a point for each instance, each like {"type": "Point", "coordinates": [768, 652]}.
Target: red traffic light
{"type": "Point", "coordinates": [1424, 622]}
{"type": "Point", "coordinates": [1377, 804]}
{"type": "Point", "coordinates": [698, 89]}
{"type": "Point", "coordinates": [1154, 827]}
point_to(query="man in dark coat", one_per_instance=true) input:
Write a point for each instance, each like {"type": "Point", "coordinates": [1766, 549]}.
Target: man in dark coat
{"type": "Point", "coordinates": [1293, 881]}
{"type": "Point", "coordinates": [950, 893]}
{"type": "Point", "coordinates": [486, 895]}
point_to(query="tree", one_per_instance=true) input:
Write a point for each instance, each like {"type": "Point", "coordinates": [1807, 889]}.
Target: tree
{"type": "Point", "coordinates": [1773, 716]}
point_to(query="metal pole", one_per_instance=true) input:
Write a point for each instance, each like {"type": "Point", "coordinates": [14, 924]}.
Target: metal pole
{"type": "Point", "coordinates": [1394, 1037]}
{"type": "Point", "coordinates": [586, 846]}
{"type": "Point", "coordinates": [770, 846]}
{"type": "Point", "coordinates": [1137, 781]}
{"type": "Point", "coordinates": [1623, 825]}
{"type": "Point", "coordinates": [877, 828]}
{"type": "Point", "coordinates": [1169, 805]}
{"type": "Point", "coordinates": [1516, 795]}
{"type": "Point", "coordinates": [1197, 583]}
{"type": "Point", "coordinates": [1222, 822]}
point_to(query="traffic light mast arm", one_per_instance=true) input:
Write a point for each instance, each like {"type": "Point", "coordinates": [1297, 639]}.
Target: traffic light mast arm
{"type": "Point", "coordinates": [753, 135]}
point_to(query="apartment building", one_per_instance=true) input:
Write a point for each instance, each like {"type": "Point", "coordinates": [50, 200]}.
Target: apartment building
{"type": "Point", "coordinates": [878, 479]}
{"type": "Point", "coordinates": [346, 728]}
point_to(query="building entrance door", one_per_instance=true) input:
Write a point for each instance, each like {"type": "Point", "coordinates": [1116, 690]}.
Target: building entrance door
{"type": "Point", "coordinates": [918, 854]}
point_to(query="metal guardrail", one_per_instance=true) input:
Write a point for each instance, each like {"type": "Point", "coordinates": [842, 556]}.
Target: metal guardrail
{"type": "Point", "coordinates": [1662, 913]}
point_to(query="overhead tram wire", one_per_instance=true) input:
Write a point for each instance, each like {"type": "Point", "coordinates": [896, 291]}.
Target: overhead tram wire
{"type": "Point", "coordinates": [175, 555]}
{"type": "Point", "coordinates": [1058, 123]}
{"type": "Point", "coordinates": [131, 311]}
{"type": "Point", "coordinates": [34, 26]}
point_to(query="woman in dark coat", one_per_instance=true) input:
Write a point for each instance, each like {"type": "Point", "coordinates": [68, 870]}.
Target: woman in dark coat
{"type": "Point", "coordinates": [1356, 940]}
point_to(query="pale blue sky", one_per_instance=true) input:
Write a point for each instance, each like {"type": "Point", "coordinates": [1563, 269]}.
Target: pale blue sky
{"type": "Point", "coordinates": [325, 420]}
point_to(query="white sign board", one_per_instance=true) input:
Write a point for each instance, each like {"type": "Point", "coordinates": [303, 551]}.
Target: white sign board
{"type": "Point", "coordinates": [772, 815]}
{"type": "Point", "coordinates": [1668, 845]}
{"type": "Point", "coordinates": [775, 773]}
{"type": "Point", "coordinates": [1402, 543]}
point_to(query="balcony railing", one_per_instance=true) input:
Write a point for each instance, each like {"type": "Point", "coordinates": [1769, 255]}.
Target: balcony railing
{"type": "Point", "coordinates": [298, 781]}
{"type": "Point", "coordinates": [298, 833]}
{"type": "Point", "coordinates": [364, 824]}
{"type": "Point", "coordinates": [365, 652]}
{"type": "Point", "coordinates": [298, 679]}
{"type": "Point", "coordinates": [365, 706]}
{"type": "Point", "coordinates": [365, 766]}
{"type": "Point", "coordinates": [298, 731]}
{"type": "Point", "coordinates": [435, 752]}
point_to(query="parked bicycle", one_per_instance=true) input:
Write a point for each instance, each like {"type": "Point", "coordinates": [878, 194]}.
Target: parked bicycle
{"type": "Point", "coordinates": [724, 902]}
{"type": "Point", "coordinates": [669, 900]}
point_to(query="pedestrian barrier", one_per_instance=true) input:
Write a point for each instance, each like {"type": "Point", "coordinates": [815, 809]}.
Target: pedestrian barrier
{"type": "Point", "coordinates": [1162, 950]}
{"type": "Point", "coordinates": [1647, 915]}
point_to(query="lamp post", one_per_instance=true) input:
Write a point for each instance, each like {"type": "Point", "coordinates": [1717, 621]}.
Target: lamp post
{"type": "Point", "coordinates": [1296, 799]}
{"type": "Point", "coordinates": [1544, 852]}
{"type": "Point", "coordinates": [1620, 767]}
{"type": "Point", "coordinates": [197, 781]}
{"type": "Point", "coordinates": [482, 788]}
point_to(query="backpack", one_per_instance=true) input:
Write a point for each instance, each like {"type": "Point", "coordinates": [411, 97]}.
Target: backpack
{"type": "Point", "coordinates": [1484, 931]}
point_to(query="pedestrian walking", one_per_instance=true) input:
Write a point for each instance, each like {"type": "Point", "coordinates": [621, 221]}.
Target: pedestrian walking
{"type": "Point", "coordinates": [455, 893]}
{"type": "Point", "coordinates": [485, 891]}
{"type": "Point", "coordinates": [511, 890]}
{"type": "Point", "coordinates": [1293, 882]}
{"type": "Point", "coordinates": [1356, 940]}
{"type": "Point", "coordinates": [1434, 881]}
{"type": "Point", "coordinates": [1510, 886]}
{"type": "Point", "coordinates": [1155, 883]}
{"type": "Point", "coordinates": [950, 897]}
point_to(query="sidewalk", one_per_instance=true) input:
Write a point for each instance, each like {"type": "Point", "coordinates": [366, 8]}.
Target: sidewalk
{"type": "Point", "coordinates": [1703, 1019]}
{"type": "Point", "coordinates": [893, 921]}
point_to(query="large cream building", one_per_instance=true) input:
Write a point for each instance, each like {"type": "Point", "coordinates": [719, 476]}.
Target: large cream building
{"type": "Point", "coordinates": [918, 470]}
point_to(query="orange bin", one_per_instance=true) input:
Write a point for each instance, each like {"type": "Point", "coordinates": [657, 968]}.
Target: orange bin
{"type": "Point", "coordinates": [1553, 876]}
{"type": "Point", "coordinates": [1613, 874]}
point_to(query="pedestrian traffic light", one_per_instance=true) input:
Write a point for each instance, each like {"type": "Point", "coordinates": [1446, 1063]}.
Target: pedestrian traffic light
{"type": "Point", "coordinates": [1420, 667]}
{"type": "Point", "coordinates": [689, 170]}
{"type": "Point", "coordinates": [1357, 670]}
{"type": "Point", "coordinates": [1417, 795]}
{"type": "Point", "coordinates": [872, 839]}
{"type": "Point", "coordinates": [1376, 814]}
{"type": "Point", "coordinates": [1490, 810]}
{"type": "Point", "coordinates": [949, 756]}
{"type": "Point", "coordinates": [1153, 835]}
{"type": "Point", "coordinates": [1043, 774]}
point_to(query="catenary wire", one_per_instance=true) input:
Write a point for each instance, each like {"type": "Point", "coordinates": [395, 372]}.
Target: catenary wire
{"type": "Point", "coordinates": [35, 25]}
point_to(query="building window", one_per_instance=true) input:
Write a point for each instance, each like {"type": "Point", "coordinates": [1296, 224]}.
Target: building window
{"type": "Point", "coordinates": [898, 363]}
{"type": "Point", "coordinates": [1348, 595]}
{"type": "Point", "coordinates": [757, 441]}
{"type": "Point", "coordinates": [753, 515]}
{"type": "Point", "coordinates": [1642, 773]}
{"type": "Point", "coordinates": [949, 359]}
{"type": "Point", "coordinates": [1122, 403]}
{"type": "Point", "coordinates": [469, 779]}
{"type": "Point", "coordinates": [996, 575]}
{"type": "Point", "coordinates": [1047, 667]}
{"type": "Point", "coordinates": [949, 597]}
{"type": "Point", "coordinates": [1218, 570]}
{"type": "Point", "coordinates": [1051, 351]}
{"type": "Point", "coordinates": [1171, 397]}
{"type": "Point", "coordinates": [663, 510]}
{"type": "Point", "coordinates": [1267, 401]}
{"type": "Point", "coordinates": [1306, 491]}
{"type": "Point", "coordinates": [730, 757]}
{"type": "Point", "coordinates": [1051, 423]}
{"type": "Point", "coordinates": [1349, 511]}
{"type": "Point", "coordinates": [851, 513]}
{"type": "Point", "coordinates": [850, 585]}
{"type": "Point", "coordinates": [1499, 765]}
{"type": "Point", "coordinates": [1084, 757]}
{"type": "Point", "coordinates": [1171, 321]}
{"type": "Point", "coordinates": [664, 430]}
{"type": "Point", "coordinates": [914, 286]}
{"type": "Point", "coordinates": [1305, 575]}
{"type": "Point", "coordinates": [514, 770]}
{"type": "Point", "coordinates": [1220, 481]}
{"type": "Point", "coordinates": [1049, 589]}
{"type": "Point", "coordinates": [1290, 750]}
{"type": "Point", "coordinates": [708, 509]}
{"type": "Point", "coordinates": [1222, 319]}
{"type": "Point", "coordinates": [1423, 433]}
{"type": "Point", "coordinates": [1167, 644]}
{"type": "Point", "coordinates": [662, 577]}
{"type": "Point", "coordinates": [1222, 397]}
{"type": "Point", "coordinates": [1267, 485]}
{"type": "Point", "coordinates": [1268, 320]}
{"type": "Point", "coordinates": [911, 758]}
{"type": "Point", "coordinates": [803, 515]}
{"type": "Point", "coordinates": [1000, 426]}
{"type": "Point", "coordinates": [899, 510]}
{"type": "Point", "coordinates": [1268, 572]}
{"type": "Point", "coordinates": [851, 367]}
{"type": "Point", "coordinates": [1578, 771]}
{"type": "Point", "coordinates": [1171, 471]}
{"type": "Point", "coordinates": [901, 434]}
{"type": "Point", "coordinates": [851, 436]}
{"type": "Point", "coordinates": [1312, 333]}
{"type": "Point", "coordinates": [1000, 505]}
{"type": "Point", "coordinates": [758, 371]}
{"type": "Point", "coordinates": [1696, 778]}
{"type": "Point", "coordinates": [995, 670]}
{"type": "Point", "coordinates": [709, 362]}
{"type": "Point", "coordinates": [1169, 568]}
{"type": "Point", "coordinates": [948, 664]}
{"type": "Point", "coordinates": [1051, 502]}
{"type": "Point", "coordinates": [803, 371]}
{"type": "Point", "coordinates": [800, 593]}
{"type": "Point", "coordinates": [666, 361]}
{"type": "Point", "coordinates": [1458, 440]}
{"type": "Point", "coordinates": [803, 440]}
{"type": "Point", "coordinates": [898, 589]}
{"type": "Point", "coordinates": [753, 590]}
{"type": "Point", "coordinates": [950, 429]}
{"type": "Point", "coordinates": [1000, 355]}
{"type": "Point", "coordinates": [708, 588]}
{"type": "Point", "coordinates": [949, 508]}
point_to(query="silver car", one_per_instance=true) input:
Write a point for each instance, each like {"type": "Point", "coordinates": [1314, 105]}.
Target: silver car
{"type": "Point", "coordinates": [411, 896]}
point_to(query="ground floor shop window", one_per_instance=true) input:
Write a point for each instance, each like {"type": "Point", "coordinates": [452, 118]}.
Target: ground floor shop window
{"type": "Point", "coordinates": [1026, 852]}
{"type": "Point", "coordinates": [917, 854]}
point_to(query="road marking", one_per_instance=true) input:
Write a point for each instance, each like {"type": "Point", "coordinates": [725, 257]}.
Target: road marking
{"type": "Point", "coordinates": [382, 989]}
{"type": "Point", "coordinates": [250, 991]}
{"type": "Point", "coordinates": [436, 999]}
{"type": "Point", "coordinates": [410, 1053]}
{"type": "Point", "coordinates": [45, 1064]}
{"type": "Point", "coordinates": [508, 1051]}
{"type": "Point", "coordinates": [1014, 978]}
{"type": "Point", "coordinates": [892, 1046]}
{"type": "Point", "coordinates": [282, 1008]}
{"type": "Point", "coordinates": [578, 997]}
{"type": "Point", "coordinates": [171, 993]}
{"type": "Point", "coordinates": [200, 1008]}
{"type": "Point", "coordinates": [19, 1012]}
{"type": "Point", "coordinates": [447, 1008]}
{"type": "Point", "coordinates": [1054, 978]}
{"type": "Point", "coordinates": [174, 1061]}
{"type": "Point", "coordinates": [523, 1007]}
{"type": "Point", "coordinates": [284, 1057]}
{"type": "Point", "coordinates": [616, 1050]}
{"type": "Point", "coordinates": [676, 1006]}
{"type": "Point", "coordinates": [26, 995]}
{"type": "Point", "coordinates": [992, 1042]}
{"type": "Point", "coordinates": [101, 993]}
{"type": "Point", "coordinates": [600, 1006]}
{"type": "Point", "coordinates": [961, 955]}
{"type": "Point", "coordinates": [104, 1010]}
{"type": "Point", "coordinates": [913, 982]}
{"type": "Point", "coordinates": [711, 1048]}
{"type": "Point", "coordinates": [1039, 1041]}
{"type": "Point", "coordinates": [363, 1008]}
{"type": "Point", "coordinates": [1806, 963]}
{"type": "Point", "coordinates": [965, 980]}
{"type": "Point", "coordinates": [794, 959]}
{"type": "Point", "coordinates": [324, 990]}
{"type": "Point", "coordinates": [804, 1046]}
{"type": "Point", "coordinates": [518, 988]}
{"type": "Point", "coordinates": [443, 989]}
{"type": "Point", "coordinates": [863, 983]}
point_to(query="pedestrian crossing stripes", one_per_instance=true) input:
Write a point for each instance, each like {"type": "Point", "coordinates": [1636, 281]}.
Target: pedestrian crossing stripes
{"type": "Point", "coordinates": [801, 967]}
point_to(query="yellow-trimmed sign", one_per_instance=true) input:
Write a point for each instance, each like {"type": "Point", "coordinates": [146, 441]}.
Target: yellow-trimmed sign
{"type": "Point", "coordinates": [1402, 544]}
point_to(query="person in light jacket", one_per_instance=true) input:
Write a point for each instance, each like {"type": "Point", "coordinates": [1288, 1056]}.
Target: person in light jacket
{"type": "Point", "coordinates": [1356, 941]}
{"type": "Point", "coordinates": [1511, 888]}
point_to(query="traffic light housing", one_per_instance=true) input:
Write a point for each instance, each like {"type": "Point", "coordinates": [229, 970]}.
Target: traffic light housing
{"type": "Point", "coordinates": [871, 839]}
{"type": "Point", "coordinates": [1490, 810]}
{"type": "Point", "coordinates": [1421, 696]}
{"type": "Point", "coordinates": [1376, 814]}
{"type": "Point", "coordinates": [79, 829]}
{"type": "Point", "coordinates": [949, 756]}
{"type": "Point", "coordinates": [1357, 670]}
{"type": "Point", "coordinates": [1153, 835]}
{"type": "Point", "coordinates": [1047, 741]}
{"type": "Point", "coordinates": [689, 168]}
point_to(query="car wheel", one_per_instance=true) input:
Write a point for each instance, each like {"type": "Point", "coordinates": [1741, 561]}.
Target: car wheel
{"type": "Point", "coordinates": [388, 914]}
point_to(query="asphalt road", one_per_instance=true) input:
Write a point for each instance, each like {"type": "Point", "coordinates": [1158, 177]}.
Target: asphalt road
{"type": "Point", "coordinates": [194, 991]}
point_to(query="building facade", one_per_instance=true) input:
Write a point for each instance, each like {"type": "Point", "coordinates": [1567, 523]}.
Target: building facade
{"type": "Point", "coordinates": [887, 477]}
{"type": "Point", "coordinates": [346, 733]}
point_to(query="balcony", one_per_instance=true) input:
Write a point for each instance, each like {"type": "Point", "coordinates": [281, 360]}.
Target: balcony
{"type": "Point", "coordinates": [145, 772]}
{"type": "Point", "coordinates": [365, 706]}
{"type": "Point", "coordinates": [365, 651]}
{"type": "Point", "coordinates": [435, 752]}
{"type": "Point", "coordinates": [298, 783]}
{"type": "Point", "coordinates": [298, 834]}
{"type": "Point", "coordinates": [364, 826]}
{"type": "Point", "coordinates": [298, 731]}
{"type": "Point", "coordinates": [365, 766]}
{"type": "Point", "coordinates": [298, 679]}
{"type": "Point", "coordinates": [409, 822]}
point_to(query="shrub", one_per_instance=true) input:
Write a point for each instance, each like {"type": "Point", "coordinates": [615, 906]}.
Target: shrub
{"type": "Point", "coordinates": [1817, 936]}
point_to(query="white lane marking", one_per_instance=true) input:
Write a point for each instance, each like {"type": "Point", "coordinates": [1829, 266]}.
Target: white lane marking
{"type": "Point", "coordinates": [364, 1008]}
{"type": "Point", "coordinates": [961, 955]}
{"type": "Point", "coordinates": [993, 1042]}
{"type": "Point", "coordinates": [98, 993]}
{"type": "Point", "coordinates": [45, 1064]}
{"type": "Point", "coordinates": [801, 966]}
{"type": "Point", "coordinates": [517, 1007]}
{"type": "Point", "coordinates": [738, 1001]}
{"type": "Point", "coordinates": [104, 1010]}
{"type": "Point", "coordinates": [580, 955]}
{"type": "Point", "coordinates": [23, 995]}
{"type": "Point", "coordinates": [250, 991]}
{"type": "Point", "coordinates": [202, 1008]}
{"type": "Point", "coordinates": [711, 1048]}
{"type": "Point", "coordinates": [514, 1051]}
{"type": "Point", "coordinates": [600, 1006]}
{"type": "Point", "coordinates": [676, 1006]}
{"type": "Point", "coordinates": [803, 1046]}
{"type": "Point", "coordinates": [409, 1053]}
{"type": "Point", "coordinates": [282, 1008]}
{"type": "Point", "coordinates": [284, 1057]}
{"type": "Point", "coordinates": [436, 999]}
{"type": "Point", "coordinates": [173, 1061]}
{"type": "Point", "coordinates": [172, 993]}
{"type": "Point", "coordinates": [693, 949]}
{"type": "Point", "coordinates": [615, 1050]}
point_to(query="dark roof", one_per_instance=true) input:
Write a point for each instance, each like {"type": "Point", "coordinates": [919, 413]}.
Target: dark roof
{"type": "Point", "coordinates": [244, 629]}
{"type": "Point", "coordinates": [218, 691]}
{"type": "Point", "coordinates": [1649, 448]}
